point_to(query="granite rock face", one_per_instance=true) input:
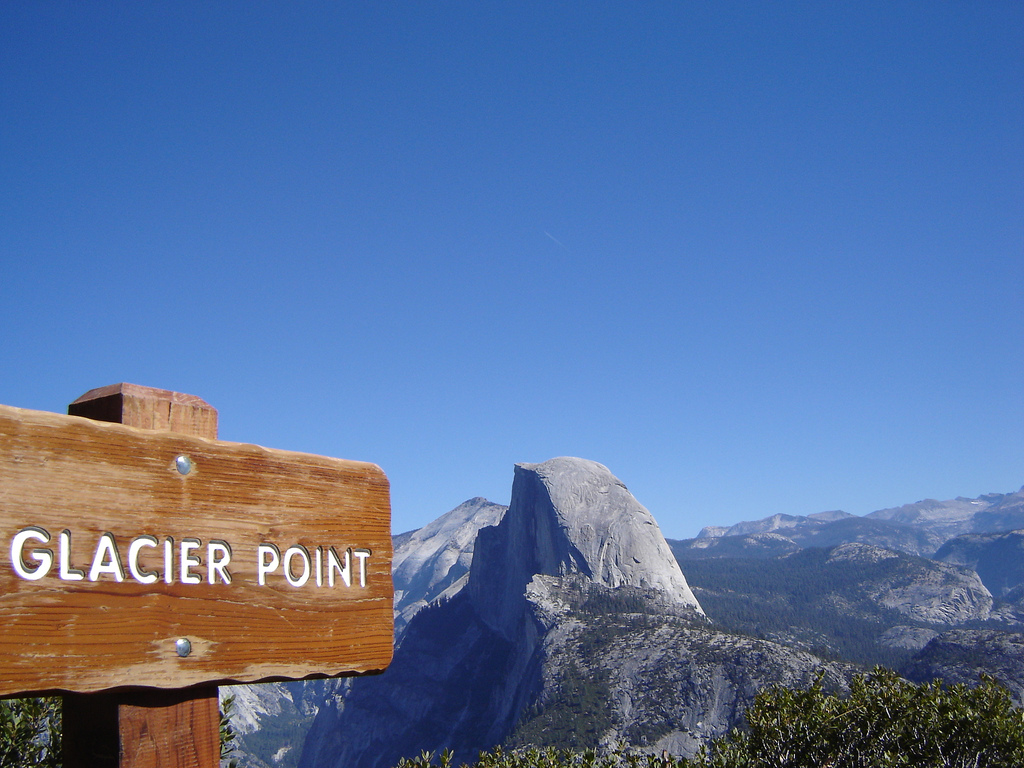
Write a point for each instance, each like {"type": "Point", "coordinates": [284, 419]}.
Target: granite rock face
{"type": "Point", "coordinates": [470, 665]}
{"type": "Point", "coordinates": [432, 563]}
{"type": "Point", "coordinates": [622, 667]}
{"type": "Point", "coordinates": [570, 515]}
{"type": "Point", "coordinates": [997, 557]}
{"type": "Point", "coordinates": [287, 709]}
{"type": "Point", "coordinates": [923, 590]}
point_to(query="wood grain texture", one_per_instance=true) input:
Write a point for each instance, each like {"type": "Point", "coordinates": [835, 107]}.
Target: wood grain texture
{"type": "Point", "coordinates": [89, 478]}
{"type": "Point", "coordinates": [142, 729]}
{"type": "Point", "coordinates": [158, 732]}
{"type": "Point", "coordinates": [148, 408]}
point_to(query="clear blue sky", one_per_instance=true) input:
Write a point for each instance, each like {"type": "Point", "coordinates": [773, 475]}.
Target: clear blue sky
{"type": "Point", "coordinates": [753, 257]}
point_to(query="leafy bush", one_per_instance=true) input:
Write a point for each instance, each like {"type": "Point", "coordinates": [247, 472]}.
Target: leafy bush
{"type": "Point", "coordinates": [227, 733]}
{"type": "Point", "coordinates": [884, 722]}
{"type": "Point", "coordinates": [30, 732]}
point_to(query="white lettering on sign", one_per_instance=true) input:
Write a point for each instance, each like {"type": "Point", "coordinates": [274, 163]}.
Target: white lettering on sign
{"type": "Point", "coordinates": [265, 566]}
{"type": "Point", "coordinates": [218, 555]}
{"type": "Point", "coordinates": [268, 560]}
{"type": "Point", "coordinates": [32, 560]}
{"type": "Point", "coordinates": [289, 556]}
{"type": "Point", "coordinates": [66, 571]}
{"type": "Point", "coordinates": [43, 557]}
{"type": "Point", "coordinates": [140, 575]}
{"type": "Point", "coordinates": [187, 561]}
{"type": "Point", "coordinates": [106, 559]}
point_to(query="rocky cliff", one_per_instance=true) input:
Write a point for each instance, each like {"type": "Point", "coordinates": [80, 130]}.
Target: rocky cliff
{"type": "Point", "coordinates": [433, 562]}
{"type": "Point", "coordinates": [621, 667]}
{"type": "Point", "coordinates": [270, 720]}
{"type": "Point", "coordinates": [570, 516]}
{"type": "Point", "coordinates": [920, 589]}
{"type": "Point", "coordinates": [997, 557]}
{"type": "Point", "coordinates": [576, 624]}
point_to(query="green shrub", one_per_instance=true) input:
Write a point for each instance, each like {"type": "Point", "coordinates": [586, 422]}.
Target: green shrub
{"type": "Point", "coordinates": [884, 722]}
{"type": "Point", "coordinates": [227, 733]}
{"type": "Point", "coordinates": [30, 732]}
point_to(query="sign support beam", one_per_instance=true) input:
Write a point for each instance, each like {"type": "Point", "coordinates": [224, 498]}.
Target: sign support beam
{"type": "Point", "coordinates": [151, 728]}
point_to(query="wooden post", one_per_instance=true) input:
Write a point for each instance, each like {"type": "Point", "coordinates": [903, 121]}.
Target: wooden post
{"type": "Point", "coordinates": [148, 728]}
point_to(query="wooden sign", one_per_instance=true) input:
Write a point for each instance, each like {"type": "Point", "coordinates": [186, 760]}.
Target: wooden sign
{"type": "Point", "coordinates": [130, 557]}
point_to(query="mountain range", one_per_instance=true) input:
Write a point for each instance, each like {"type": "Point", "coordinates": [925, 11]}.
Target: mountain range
{"type": "Point", "coordinates": [918, 529]}
{"type": "Point", "coordinates": [566, 619]}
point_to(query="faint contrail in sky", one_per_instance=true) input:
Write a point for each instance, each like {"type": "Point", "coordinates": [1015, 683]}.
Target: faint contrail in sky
{"type": "Point", "coordinates": [554, 238]}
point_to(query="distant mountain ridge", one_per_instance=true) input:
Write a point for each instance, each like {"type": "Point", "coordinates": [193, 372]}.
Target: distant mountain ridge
{"type": "Point", "coordinates": [772, 523]}
{"type": "Point", "coordinates": [986, 514]}
{"type": "Point", "coordinates": [853, 601]}
{"type": "Point", "coordinates": [919, 528]}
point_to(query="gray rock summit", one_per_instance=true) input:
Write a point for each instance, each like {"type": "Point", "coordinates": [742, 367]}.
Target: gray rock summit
{"type": "Point", "coordinates": [432, 563]}
{"type": "Point", "coordinates": [573, 548]}
{"type": "Point", "coordinates": [568, 516]}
